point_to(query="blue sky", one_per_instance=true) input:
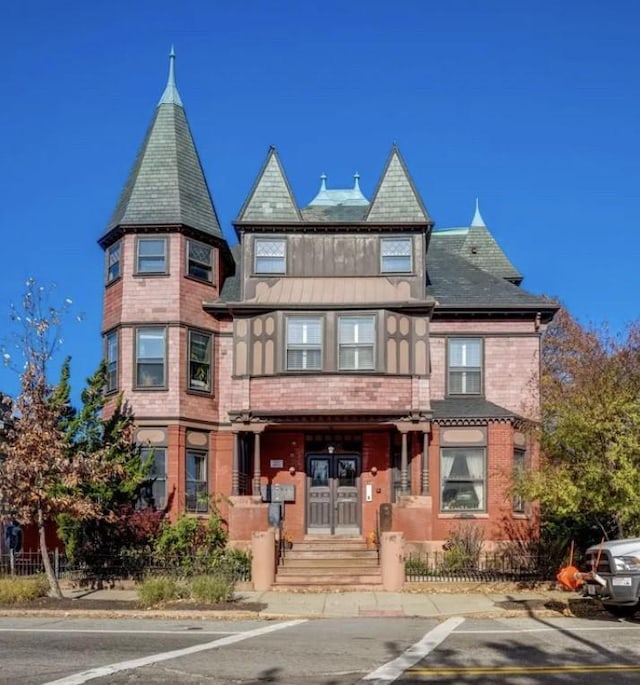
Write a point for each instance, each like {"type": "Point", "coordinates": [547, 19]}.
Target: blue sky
{"type": "Point", "coordinates": [533, 107]}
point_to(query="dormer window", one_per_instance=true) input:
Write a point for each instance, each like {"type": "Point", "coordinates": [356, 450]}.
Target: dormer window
{"type": "Point", "coordinates": [270, 255]}
{"type": "Point", "coordinates": [396, 255]}
{"type": "Point", "coordinates": [199, 262]}
{"type": "Point", "coordinates": [113, 262]}
{"type": "Point", "coordinates": [151, 256]}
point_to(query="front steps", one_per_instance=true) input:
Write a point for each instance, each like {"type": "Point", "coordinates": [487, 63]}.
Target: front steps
{"type": "Point", "coordinates": [333, 563]}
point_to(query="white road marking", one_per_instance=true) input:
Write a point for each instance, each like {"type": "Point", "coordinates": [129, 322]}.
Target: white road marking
{"type": "Point", "coordinates": [102, 671]}
{"type": "Point", "coordinates": [392, 670]}
{"type": "Point", "coordinates": [580, 629]}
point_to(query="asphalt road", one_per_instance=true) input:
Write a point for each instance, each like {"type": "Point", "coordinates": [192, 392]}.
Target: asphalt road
{"type": "Point", "coordinates": [366, 651]}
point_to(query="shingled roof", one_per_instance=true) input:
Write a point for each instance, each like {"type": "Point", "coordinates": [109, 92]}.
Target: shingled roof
{"type": "Point", "coordinates": [478, 246]}
{"type": "Point", "coordinates": [456, 283]}
{"type": "Point", "coordinates": [470, 410]}
{"type": "Point", "coordinates": [167, 184]}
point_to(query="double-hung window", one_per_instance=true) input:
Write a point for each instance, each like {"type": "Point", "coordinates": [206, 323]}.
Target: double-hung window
{"type": "Point", "coordinates": [151, 257]}
{"type": "Point", "coordinates": [304, 344]}
{"type": "Point", "coordinates": [356, 336]}
{"type": "Point", "coordinates": [155, 493]}
{"type": "Point", "coordinates": [465, 366]}
{"type": "Point", "coordinates": [197, 488]}
{"type": "Point", "coordinates": [270, 255]}
{"type": "Point", "coordinates": [199, 361]}
{"type": "Point", "coordinates": [463, 477]}
{"type": "Point", "coordinates": [113, 262]}
{"type": "Point", "coordinates": [112, 361]}
{"type": "Point", "coordinates": [199, 261]}
{"type": "Point", "coordinates": [519, 466]}
{"type": "Point", "coordinates": [151, 357]}
{"type": "Point", "coordinates": [396, 255]}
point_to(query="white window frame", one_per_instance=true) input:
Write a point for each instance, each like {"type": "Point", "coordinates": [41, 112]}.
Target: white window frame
{"type": "Point", "coordinates": [309, 347]}
{"type": "Point", "coordinates": [149, 384]}
{"type": "Point", "coordinates": [112, 354]}
{"type": "Point", "coordinates": [468, 491]}
{"type": "Point", "coordinates": [158, 473]}
{"type": "Point", "coordinates": [197, 366]}
{"type": "Point", "coordinates": [161, 263]}
{"type": "Point", "coordinates": [392, 257]}
{"type": "Point", "coordinates": [197, 264]}
{"type": "Point", "coordinates": [197, 489]}
{"type": "Point", "coordinates": [361, 343]}
{"type": "Point", "coordinates": [114, 262]}
{"type": "Point", "coordinates": [261, 264]}
{"type": "Point", "coordinates": [466, 371]}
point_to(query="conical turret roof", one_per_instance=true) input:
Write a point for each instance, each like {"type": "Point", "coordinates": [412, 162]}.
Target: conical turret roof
{"type": "Point", "coordinates": [167, 184]}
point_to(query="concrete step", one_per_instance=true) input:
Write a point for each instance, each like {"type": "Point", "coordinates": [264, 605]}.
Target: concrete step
{"type": "Point", "coordinates": [360, 581]}
{"type": "Point", "coordinates": [323, 562]}
{"type": "Point", "coordinates": [363, 554]}
{"type": "Point", "coordinates": [330, 546]}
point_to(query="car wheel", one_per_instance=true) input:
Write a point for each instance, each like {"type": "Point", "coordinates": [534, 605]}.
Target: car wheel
{"type": "Point", "coordinates": [622, 611]}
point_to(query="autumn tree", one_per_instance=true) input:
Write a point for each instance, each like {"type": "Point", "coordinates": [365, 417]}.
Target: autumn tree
{"type": "Point", "coordinates": [40, 477]}
{"type": "Point", "coordinates": [589, 429]}
{"type": "Point", "coordinates": [117, 523]}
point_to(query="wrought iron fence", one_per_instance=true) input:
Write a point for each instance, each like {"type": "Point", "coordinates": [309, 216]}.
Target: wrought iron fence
{"type": "Point", "coordinates": [485, 567]}
{"type": "Point", "coordinates": [124, 567]}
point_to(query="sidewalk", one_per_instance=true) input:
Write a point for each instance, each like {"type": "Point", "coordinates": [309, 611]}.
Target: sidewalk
{"type": "Point", "coordinates": [372, 604]}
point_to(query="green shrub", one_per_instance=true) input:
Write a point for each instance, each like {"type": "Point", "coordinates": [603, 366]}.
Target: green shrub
{"type": "Point", "coordinates": [157, 589]}
{"type": "Point", "coordinates": [23, 589]}
{"type": "Point", "coordinates": [463, 547]}
{"type": "Point", "coordinates": [212, 589]}
{"type": "Point", "coordinates": [233, 563]}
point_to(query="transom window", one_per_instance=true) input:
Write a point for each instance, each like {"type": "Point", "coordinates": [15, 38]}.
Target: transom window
{"type": "Point", "coordinates": [396, 255]}
{"type": "Point", "coordinates": [113, 262]}
{"type": "Point", "coordinates": [150, 357]}
{"type": "Point", "coordinates": [304, 344]}
{"type": "Point", "coordinates": [356, 342]}
{"type": "Point", "coordinates": [151, 256]}
{"type": "Point", "coordinates": [112, 361]}
{"type": "Point", "coordinates": [463, 478]}
{"type": "Point", "coordinates": [465, 366]}
{"type": "Point", "coordinates": [199, 261]}
{"type": "Point", "coordinates": [270, 255]}
{"type": "Point", "coordinates": [155, 493]}
{"type": "Point", "coordinates": [199, 361]}
{"type": "Point", "coordinates": [197, 495]}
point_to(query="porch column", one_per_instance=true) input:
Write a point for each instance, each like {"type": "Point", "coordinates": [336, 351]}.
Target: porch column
{"type": "Point", "coordinates": [235, 465]}
{"type": "Point", "coordinates": [424, 484]}
{"type": "Point", "coordinates": [255, 483]}
{"type": "Point", "coordinates": [404, 466]}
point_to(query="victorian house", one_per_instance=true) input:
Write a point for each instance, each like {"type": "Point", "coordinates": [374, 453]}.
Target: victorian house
{"type": "Point", "coordinates": [342, 359]}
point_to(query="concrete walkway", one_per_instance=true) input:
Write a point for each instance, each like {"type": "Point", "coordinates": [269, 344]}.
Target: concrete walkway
{"type": "Point", "coordinates": [389, 604]}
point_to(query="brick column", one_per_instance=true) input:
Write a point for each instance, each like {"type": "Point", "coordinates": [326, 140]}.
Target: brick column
{"type": "Point", "coordinates": [424, 481]}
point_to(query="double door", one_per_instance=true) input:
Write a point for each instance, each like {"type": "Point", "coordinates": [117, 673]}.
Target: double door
{"type": "Point", "coordinates": [333, 494]}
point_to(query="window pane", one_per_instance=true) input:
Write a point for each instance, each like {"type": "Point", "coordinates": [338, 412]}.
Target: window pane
{"type": "Point", "coordinates": [270, 256]}
{"type": "Point", "coordinates": [157, 494]}
{"type": "Point", "coordinates": [356, 329]}
{"type": "Point", "coordinates": [199, 261]}
{"type": "Point", "coordinates": [304, 331]}
{"type": "Point", "coordinates": [150, 357]}
{"type": "Point", "coordinates": [396, 254]}
{"type": "Point", "coordinates": [151, 255]}
{"type": "Point", "coordinates": [112, 361]}
{"type": "Point", "coordinates": [199, 361]}
{"type": "Point", "coordinates": [463, 478]}
{"type": "Point", "coordinates": [319, 469]}
{"type": "Point", "coordinates": [346, 472]}
{"type": "Point", "coordinates": [464, 352]}
{"type": "Point", "coordinates": [113, 262]}
{"type": "Point", "coordinates": [197, 495]}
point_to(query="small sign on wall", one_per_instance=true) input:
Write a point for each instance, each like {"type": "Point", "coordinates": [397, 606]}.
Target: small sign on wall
{"type": "Point", "coordinates": [277, 463]}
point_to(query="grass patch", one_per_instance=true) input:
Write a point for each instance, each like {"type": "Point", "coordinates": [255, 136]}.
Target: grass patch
{"type": "Point", "coordinates": [212, 589]}
{"type": "Point", "coordinates": [23, 589]}
{"type": "Point", "coordinates": [158, 589]}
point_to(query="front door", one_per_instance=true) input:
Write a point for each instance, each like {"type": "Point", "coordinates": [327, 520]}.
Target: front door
{"type": "Point", "coordinates": [333, 494]}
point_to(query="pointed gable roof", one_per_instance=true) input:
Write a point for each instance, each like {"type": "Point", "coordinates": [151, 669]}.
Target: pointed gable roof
{"type": "Point", "coordinates": [396, 199]}
{"type": "Point", "coordinates": [167, 184]}
{"type": "Point", "coordinates": [271, 198]}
